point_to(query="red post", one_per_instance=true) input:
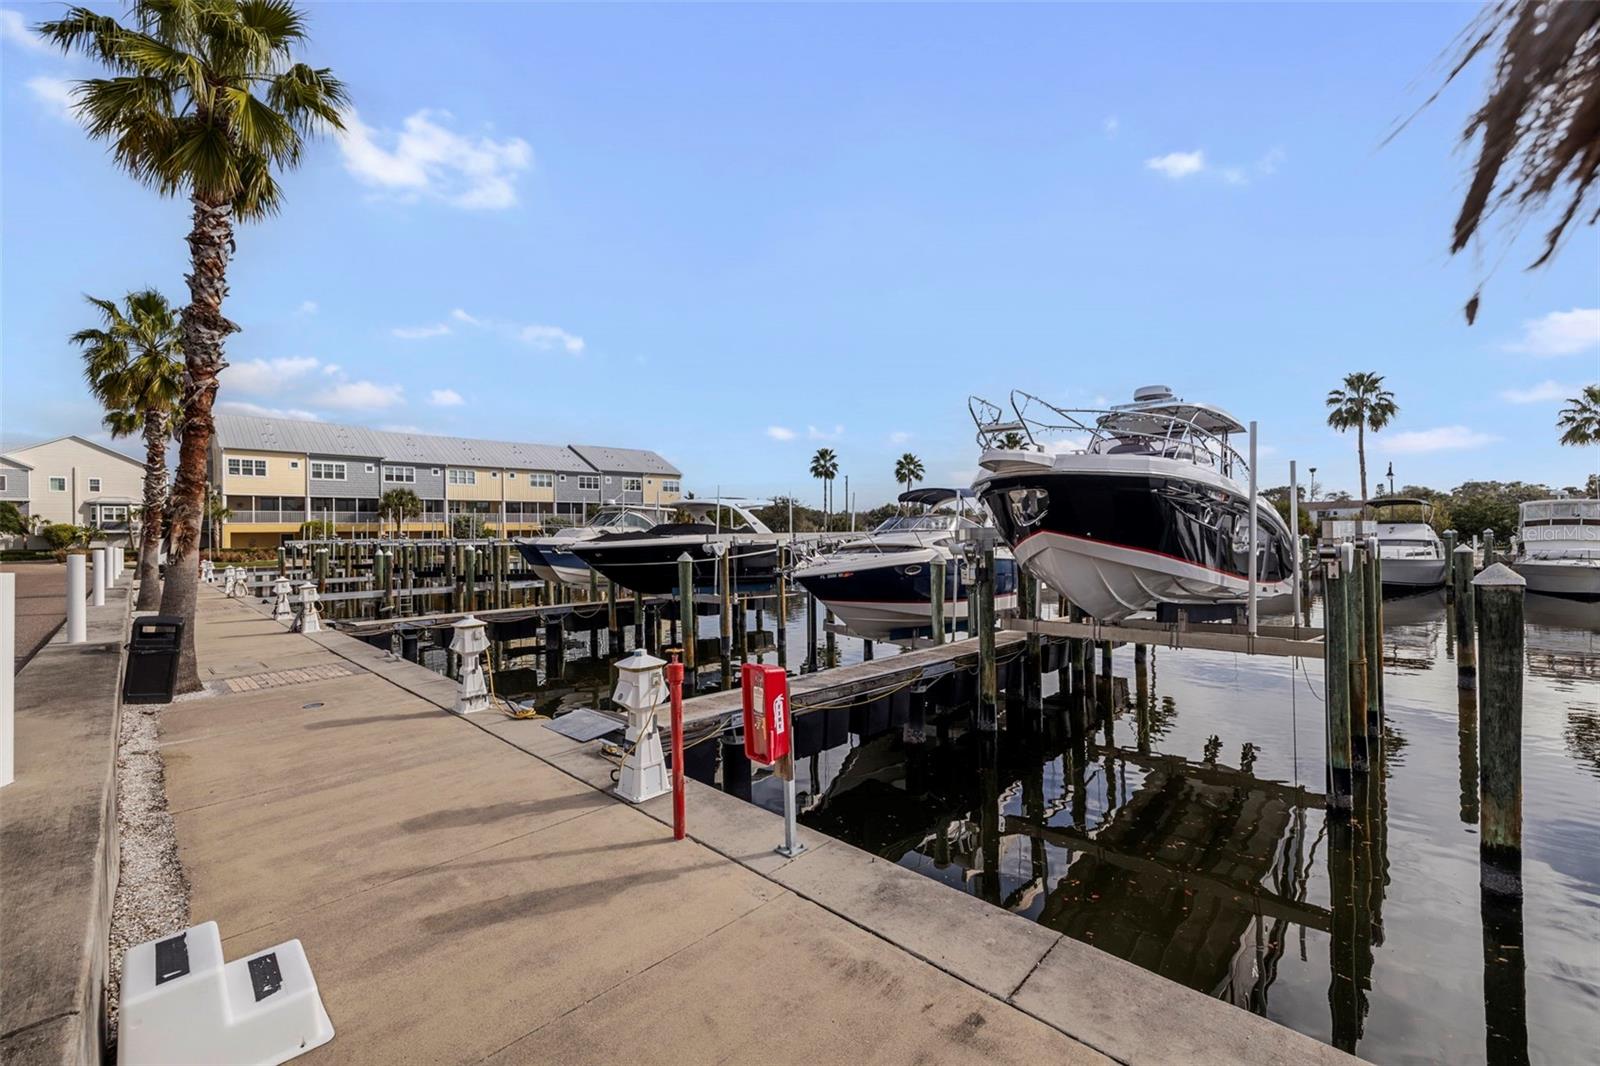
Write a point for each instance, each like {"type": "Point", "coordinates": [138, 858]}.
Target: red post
{"type": "Point", "coordinates": [675, 686]}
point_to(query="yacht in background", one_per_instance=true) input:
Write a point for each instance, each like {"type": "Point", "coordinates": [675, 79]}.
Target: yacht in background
{"type": "Point", "coordinates": [1558, 551]}
{"type": "Point", "coordinates": [1142, 504]}
{"type": "Point", "coordinates": [646, 561]}
{"type": "Point", "coordinates": [880, 585]}
{"type": "Point", "coordinates": [552, 558]}
{"type": "Point", "coordinates": [1411, 552]}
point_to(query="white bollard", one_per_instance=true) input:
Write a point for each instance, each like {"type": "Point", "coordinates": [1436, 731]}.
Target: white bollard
{"type": "Point", "coordinates": [309, 621]}
{"type": "Point", "coordinates": [8, 686]}
{"type": "Point", "coordinates": [77, 592]}
{"type": "Point", "coordinates": [282, 609]}
{"type": "Point", "coordinates": [98, 585]}
{"type": "Point", "coordinates": [470, 641]}
{"type": "Point", "coordinates": [208, 571]}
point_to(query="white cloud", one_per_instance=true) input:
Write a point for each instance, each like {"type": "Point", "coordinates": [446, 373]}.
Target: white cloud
{"type": "Point", "coordinates": [1176, 165]}
{"type": "Point", "coordinates": [1440, 439]}
{"type": "Point", "coordinates": [428, 159]}
{"type": "Point", "coordinates": [266, 377]}
{"type": "Point", "coordinates": [1560, 333]}
{"type": "Point", "coordinates": [417, 333]}
{"type": "Point", "coordinates": [1111, 125]}
{"type": "Point", "coordinates": [461, 316]}
{"type": "Point", "coordinates": [14, 30]}
{"type": "Point", "coordinates": [813, 433]}
{"type": "Point", "coordinates": [1544, 392]}
{"type": "Point", "coordinates": [331, 369]}
{"type": "Point", "coordinates": [1268, 164]}
{"type": "Point", "coordinates": [55, 94]}
{"type": "Point", "coordinates": [546, 337]}
{"type": "Point", "coordinates": [360, 396]}
{"type": "Point", "coordinates": [780, 433]}
{"type": "Point", "coordinates": [445, 398]}
{"type": "Point", "coordinates": [307, 307]}
{"type": "Point", "coordinates": [239, 407]}
{"type": "Point", "coordinates": [963, 476]}
{"type": "Point", "coordinates": [899, 436]}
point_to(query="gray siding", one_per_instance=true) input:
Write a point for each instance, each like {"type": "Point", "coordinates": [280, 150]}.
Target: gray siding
{"type": "Point", "coordinates": [428, 486]}
{"type": "Point", "coordinates": [358, 481]}
{"type": "Point", "coordinates": [16, 482]}
{"type": "Point", "coordinates": [609, 492]}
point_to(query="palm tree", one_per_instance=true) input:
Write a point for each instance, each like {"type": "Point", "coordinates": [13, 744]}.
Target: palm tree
{"type": "Point", "coordinates": [825, 466]}
{"type": "Point", "coordinates": [134, 364]}
{"type": "Point", "coordinates": [908, 470]}
{"type": "Point", "coordinates": [1361, 405]}
{"type": "Point", "coordinates": [1012, 441]}
{"type": "Point", "coordinates": [1580, 419]}
{"type": "Point", "coordinates": [397, 505]}
{"type": "Point", "coordinates": [204, 100]}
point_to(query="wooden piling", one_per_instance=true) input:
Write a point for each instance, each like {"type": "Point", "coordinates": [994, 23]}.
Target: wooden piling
{"type": "Point", "coordinates": [1466, 651]}
{"type": "Point", "coordinates": [1450, 561]}
{"type": "Point", "coordinates": [782, 623]}
{"type": "Point", "coordinates": [830, 641]}
{"type": "Point", "coordinates": [1374, 633]}
{"type": "Point", "coordinates": [1498, 592]}
{"type": "Point", "coordinates": [980, 616]}
{"type": "Point", "coordinates": [638, 619]}
{"type": "Point", "coordinates": [613, 624]}
{"type": "Point", "coordinates": [866, 651]}
{"type": "Point", "coordinates": [283, 561]}
{"type": "Point", "coordinates": [1336, 680]}
{"type": "Point", "coordinates": [1488, 548]}
{"type": "Point", "coordinates": [686, 609]}
{"type": "Point", "coordinates": [469, 586]}
{"type": "Point", "coordinates": [811, 632]}
{"type": "Point", "coordinates": [725, 612]}
{"type": "Point", "coordinates": [1356, 615]}
{"type": "Point", "coordinates": [936, 580]}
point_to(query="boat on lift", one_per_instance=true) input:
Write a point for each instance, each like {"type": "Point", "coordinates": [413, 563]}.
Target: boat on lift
{"type": "Point", "coordinates": [647, 561]}
{"type": "Point", "coordinates": [1559, 548]}
{"type": "Point", "coordinates": [881, 585]}
{"type": "Point", "coordinates": [1411, 553]}
{"type": "Point", "coordinates": [552, 558]}
{"type": "Point", "coordinates": [1131, 507]}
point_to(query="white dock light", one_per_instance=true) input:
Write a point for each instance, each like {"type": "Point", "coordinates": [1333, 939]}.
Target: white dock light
{"type": "Point", "coordinates": [641, 688]}
{"type": "Point", "coordinates": [181, 1004]}
{"type": "Point", "coordinates": [470, 641]}
{"type": "Point", "coordinates": [282, 609]}
{"type": "Point", "coordinates": [309, 621]}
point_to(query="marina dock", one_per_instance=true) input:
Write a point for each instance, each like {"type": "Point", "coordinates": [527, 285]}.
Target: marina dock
{"type": "Point", "coordinates": [467, 889]}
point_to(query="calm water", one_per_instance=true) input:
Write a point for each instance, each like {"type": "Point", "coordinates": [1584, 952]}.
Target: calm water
{"type": "Point", "coordinates": [1180, 825]}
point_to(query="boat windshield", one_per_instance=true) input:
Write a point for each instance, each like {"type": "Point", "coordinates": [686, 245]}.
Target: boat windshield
{"type": "Point", "coordinates": [1561, 513]}
{"type": "Point", "coordinates": [622, 519]}
{"type": "Point", "coordinates": [921, 523]}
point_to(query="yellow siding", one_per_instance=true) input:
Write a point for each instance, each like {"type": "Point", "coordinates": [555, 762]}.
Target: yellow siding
{"type": "Point", "coordinates": [256, 535]}
{"type": "Point", "coordinates": [520, 488]}
{"type": "Point", "coordinates": [487, 488]}
{"type": "Point", "coordinates": [281, 480]}
{"type": "Point", "coordinates": [653, 493]}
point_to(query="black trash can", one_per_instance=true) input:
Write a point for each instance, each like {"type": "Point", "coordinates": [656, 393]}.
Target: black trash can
{"type": "Point", "coordinates": [151, 675]}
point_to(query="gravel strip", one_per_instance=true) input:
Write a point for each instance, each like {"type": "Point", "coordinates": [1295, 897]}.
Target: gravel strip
{"type": "Point", "coordinates": [152, 898]}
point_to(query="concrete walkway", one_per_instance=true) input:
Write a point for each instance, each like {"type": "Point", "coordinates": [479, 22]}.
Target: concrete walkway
{"type": "Point", "coordinates": [41, 604]}
{"type": "Point", "coordinates": [466, 891]}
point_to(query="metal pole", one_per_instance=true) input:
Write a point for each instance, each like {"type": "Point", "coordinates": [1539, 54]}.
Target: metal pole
{"type": "Point", "coordinates": [1253, 529]}
{"type": "Point", "coordinates": [77, 626]}
{"type": "Point", "coordinates": [8, 691]}
{"type": "Point", "coordinates": [675, 687]}
{"type": "Point", "coordinates": [791, 845]}
{"type": "Point", "coordinates": [1294, 535]}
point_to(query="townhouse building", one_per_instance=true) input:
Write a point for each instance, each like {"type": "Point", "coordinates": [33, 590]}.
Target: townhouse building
{"type": "Point", "coordinates": [275, 474]}
{"type": "Point", "coordinates": [74, 481]}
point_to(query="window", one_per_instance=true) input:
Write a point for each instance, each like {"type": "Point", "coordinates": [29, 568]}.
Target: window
{"type": "Point", "coordinates": [589, 481]}
{"type": "Point", "coordinates": [511, 475]}
{"type": "Point", "coordinates": [434, 471]}
{"type": "Point", "coordinates": [294, 464]}
{"type": "Point", "coordinates": [494, 473]}
{"type": "Point", "coordinates": [608, 479]}
{"type": "Point", "coordinates": [370, 468]}
{"type": "Point", "coordinates": [400, 475]}
{"type": "Point", "coordinates": [58, 484]}
{"type": "Point", "coordinates": [248, 467]}
{"type": "Point", "coordinates": [463, 477]}
{"type": "Point", "coordinates": [94, 484]}
{"type": "Point", "coordinates": [110, 513]}
{"type": "Point", "coordinates": [2, 483]}
{"type": "Point", "coordinates": [672, 486]}
{"type": "Point", "coordinates": [327, 471]}
{"type": "Point", "coordinates": [541, 481]}
{"type": "Point", "coordinates": [633, 484]}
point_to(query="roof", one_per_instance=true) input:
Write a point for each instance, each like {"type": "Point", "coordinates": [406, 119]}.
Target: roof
{"type": "Point", "coordinates": [625, 460]}
{"type": "Point", "coordinates": [18, 463]}
{"type": "Point", "coordinates": [85, 441]}
{"type": "Point", "coordinates": [250, 432]}
{"type": "Point", "coordinates": [932, 497]}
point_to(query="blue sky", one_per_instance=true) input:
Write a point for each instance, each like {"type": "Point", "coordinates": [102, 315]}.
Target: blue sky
{"type": "Point", "coordinates": [734, 234]}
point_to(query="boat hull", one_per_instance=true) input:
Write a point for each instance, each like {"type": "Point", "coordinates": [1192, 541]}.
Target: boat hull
{"type": "Point", "coordinates": [1405, 576]}
{"type": "Point", "coordinates": [1119, 542]}
{"type": "Point", "coordinates": [554, 562]}
{"type": "Point", "coordinates": [1571, 579]}
{"type": "Point", "coordinates": [889, 596]}
{"type": "Point", "coordinates": [650, 566]}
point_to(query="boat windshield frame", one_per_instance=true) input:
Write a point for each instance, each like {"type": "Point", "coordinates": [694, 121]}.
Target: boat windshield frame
{"type": "Point", "coordinates": [930, 522]}
{"type": "Point", "coordinates": [1168, 429]}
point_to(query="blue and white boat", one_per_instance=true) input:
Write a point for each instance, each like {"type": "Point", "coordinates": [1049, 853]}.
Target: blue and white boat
{"type": "Point", "coordinates": [552, 557]}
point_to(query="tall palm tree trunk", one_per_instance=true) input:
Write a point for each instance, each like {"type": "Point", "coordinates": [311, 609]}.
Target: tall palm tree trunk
{"type": "Point", "coordinates": [204, 329]}
{"type": "Point", "coordinates": [155, 502]}
{"type": "Point", "coordinates": [1361, 453]}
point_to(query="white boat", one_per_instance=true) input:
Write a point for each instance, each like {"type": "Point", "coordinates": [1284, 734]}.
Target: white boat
{"type": "Point", "coordinates": [1411, 552]}
{"type": "Point", "coordinates": [1139, 505]}
{"type": "Point", "coordinates": [552, 557]}
{"type": "Point", "coordinates": [647, 561]}
{"type": "Point", "coordinates": [880, 585]}
{"type": "Point", "coordinates": [1559, 548]}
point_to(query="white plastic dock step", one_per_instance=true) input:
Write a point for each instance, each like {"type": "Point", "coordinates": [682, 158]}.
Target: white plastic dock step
{"type": "Point", "coordinates": [183, 1006]}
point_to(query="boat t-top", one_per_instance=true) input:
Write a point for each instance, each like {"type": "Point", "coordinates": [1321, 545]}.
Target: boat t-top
{"type": "Point", "coordinates": [881, 585]}
{"type": "Point", "coordinates": [646, 561]}
{"type": "Point", "coordinates": [1411, 553]}
{"type": "Point", "coordinates": [1123, 509]}
{"type": "Point", "coordinates": [1559, 548]}
{"type": "Point", "coordinates": [552, 558]}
